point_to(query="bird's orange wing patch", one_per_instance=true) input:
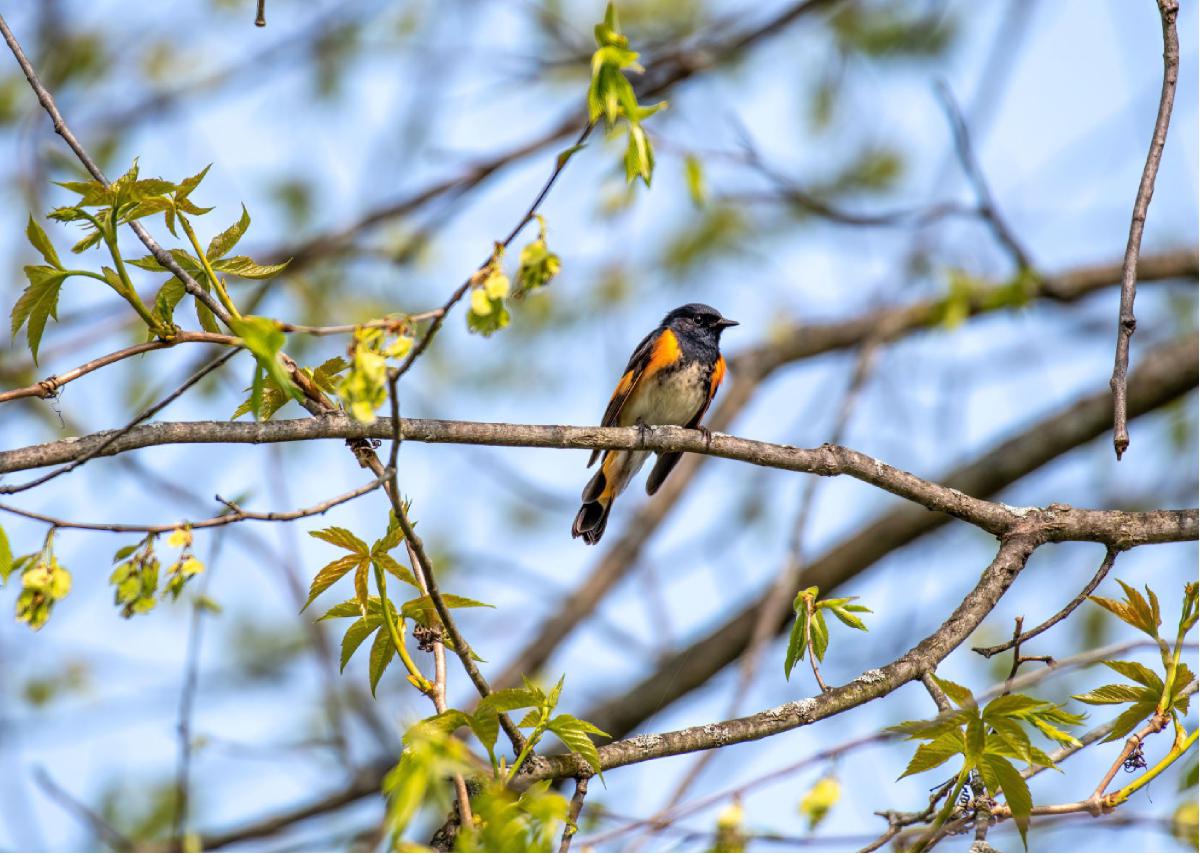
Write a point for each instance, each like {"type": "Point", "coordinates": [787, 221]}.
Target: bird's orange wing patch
{"type": "Point", "coordinates": [664, 354]}
{"type": "Point", "coordinates": [718, 375]}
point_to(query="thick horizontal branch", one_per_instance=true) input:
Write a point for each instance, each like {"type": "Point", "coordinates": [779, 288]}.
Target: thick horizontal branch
{"type": "Point", "coordinates": [1059, 522]}
{"type": "Point", "coordinates": [1166, 374]}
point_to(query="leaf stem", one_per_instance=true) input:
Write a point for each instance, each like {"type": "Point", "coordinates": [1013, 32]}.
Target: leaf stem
{"type": "Point", "coordinates": [217, 284]}
{"type": "Point", "coordinates": [1119, 796]}
{"type": "Point", "coordinates": [419, 680]}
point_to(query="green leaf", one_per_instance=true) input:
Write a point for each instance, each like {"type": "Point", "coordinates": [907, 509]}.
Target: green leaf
{"type": "Point", "coordinates": [930, 728]}
{"type": "Point", "coordinates": [39, 240]}
{"type": "Point", "coordinates": [574, 734]}
{"type": "Point", "coordinates": [330, 573]}
{"type": "Point", "coordinates": [639, 156]}
{"type": "Point", "coordinates": [247, 268]}
{"type": "Point", "coordinates": [187, 185]}
{"type": "Point", "coordinates": [507, 700]}
{"type": "Point", "coordinates": [1016, 791]}
{"type": "Point", "coordinates": [962, 696]}
{"type": "Point", "coordinates": [395, 568]}
{"type": "Point", "coordinates": [485, 724]}
{"type": "Point", "coordinates": [352, 608]}
{"type": "Point", "coordinates": [448, 721]}
{"type": "Point", "coordinates": [1009, 739]}
{"type": "Point", "coordinates": [797, 643]}
{"type": "Point", "coordinates": [1058, 735]}
{"type": "Point", "coordinates": [933, 754]}
{"type": "Point", "coordinates": [342, 537]}
{"type": "Point", "coordinates": [265, 340]}
{"type": "Point", "coordinates": [820, 635]}
{"type": "Point", "coordinates": [976, 741]}
{"type": "Point", "coordinates": [382, 652]}
{"type": "Point", "coordinates": [846, 616]}
{"type": "Point", "coordinates": [566, 154]}
{"type": "Point", "coordinates": [37, 303]}
{"type": "Point", "coordinates": [422, 611]}
{"type": "Point", "coordinates": [220, 245]}
{"type": "Point", "coordinates": [1130, 719]}
{"type": "Point", "coordinates": [1137, 672]}
{"type": "Point", "coordinates": [6, 558]}
{"type": "Point", "coordinates": [1007, 706]}
{"type": "Point", "coordinates": [167, 299]}
{"type": "Point", "coordinates": [356, 634]}
{"type": "Point", "coordinates": [1117, 693]}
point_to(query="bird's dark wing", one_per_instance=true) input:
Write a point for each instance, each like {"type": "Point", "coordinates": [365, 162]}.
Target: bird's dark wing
{"type": "Point", "coordinates": [656, 351]}
{"type": "Point", "coordinates": [666, 460]}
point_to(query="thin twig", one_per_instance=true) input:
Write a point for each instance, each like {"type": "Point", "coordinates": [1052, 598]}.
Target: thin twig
{"type": "Point", "coordinates": [260, 15]}
{"type": "Point", "coordinates": [49, 387]}
{"type": "Point", "coordinates": [118, 841]}
{"type": "Point", "coordinates": [187, 701]}
{"type": "Point", "coordinates": [572, 825]}
{"type": "Point", "coordinates": [440, 314]}
{"type": "Point", "coordinates": [147, 413]}
{"type": "Point", "coordinates": [236, 515]}
{"type": "Point", "coordinates": [970, 164]}
{"type": "Point", "coordinates": [1126, 322]}
{"type": "Point", "coordinates": [1020, 638]}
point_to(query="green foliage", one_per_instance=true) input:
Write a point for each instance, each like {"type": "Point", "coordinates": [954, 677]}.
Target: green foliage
{"type": "Point", "coordinates": [43, 583]}
{"type": "Point", "coordinates": [273, 398]}
{"type": "Point", "coordinates": [135, 578]}
{"type": "Point", "coordinates": [6, 558]}
{"type": "Point", "coordinates": [37, 302]}
{"type": "Point", "coordinates": [364, 388]}
{"type": "Point", "coordinates": [538, 265]}
{"type": "Point", "coordinates": [263, 338]}
{"type": "Point", "coordinates": [717, 230]}
{"type": "Point", "coordinates": [490, 288]}
{"type": "Point", "coordinates": [810, 630]}
{"type": "Point", "coordinates": [529, 822]}
{"type": "Point", "coordinates": [987, 740]}
{"type": "Point", "coordinates": [611, 95]}
{"type": "Point", "coordinates": [1151, 694]}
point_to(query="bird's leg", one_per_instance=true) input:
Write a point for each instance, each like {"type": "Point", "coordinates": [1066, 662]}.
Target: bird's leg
{"type": "Point", "coordinates": [707, 436]}
{"type": "Point", "coordinates": [643, 432]}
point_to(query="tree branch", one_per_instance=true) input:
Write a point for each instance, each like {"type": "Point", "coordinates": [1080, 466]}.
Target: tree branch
{"type": "Point", "coordinates": [1126, 322]}
{"type": "Point", "coordinates": [1021, 638]}
{"type": "Point", "coordinates": [1011, 558]}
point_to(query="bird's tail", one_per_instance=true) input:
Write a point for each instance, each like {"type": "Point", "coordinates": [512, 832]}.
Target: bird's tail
{"type": "Point", "coordinates": [597, 497]}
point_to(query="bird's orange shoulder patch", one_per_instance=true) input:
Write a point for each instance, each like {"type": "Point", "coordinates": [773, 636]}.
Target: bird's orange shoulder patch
{"type": "Point", "coordinates": [664, 354]}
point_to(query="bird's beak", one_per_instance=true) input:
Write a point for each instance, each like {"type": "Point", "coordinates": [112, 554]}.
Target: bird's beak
{"type": "Point", "coordinates": [725, 322]}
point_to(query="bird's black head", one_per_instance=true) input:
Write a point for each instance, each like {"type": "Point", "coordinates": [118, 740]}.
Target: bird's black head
{"type": "Point", "coordinates": [698, 318]}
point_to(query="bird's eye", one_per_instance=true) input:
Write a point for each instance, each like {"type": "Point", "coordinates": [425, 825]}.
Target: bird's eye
{"type": "Point", "coordinates": [699, 319]}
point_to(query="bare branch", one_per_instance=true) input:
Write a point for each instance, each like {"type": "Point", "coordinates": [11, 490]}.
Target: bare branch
{"type": "Point", "coordinates": [235, 515]}
{"type": "Point", "coordinates": [1109, 557]}
{"type": "Point", "coordinates": [1126, 322]}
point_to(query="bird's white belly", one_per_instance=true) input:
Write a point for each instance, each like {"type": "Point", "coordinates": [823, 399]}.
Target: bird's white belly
{"type": "Point", "coordinates": [667, 399]}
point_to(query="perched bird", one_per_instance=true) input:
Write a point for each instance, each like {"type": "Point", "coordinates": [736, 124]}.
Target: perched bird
{"type": "Point", "coordinates": [670, 380]}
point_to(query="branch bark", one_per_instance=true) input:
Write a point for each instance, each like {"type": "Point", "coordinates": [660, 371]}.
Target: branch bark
{"type": "Point", "coordinates": [1126, 322]}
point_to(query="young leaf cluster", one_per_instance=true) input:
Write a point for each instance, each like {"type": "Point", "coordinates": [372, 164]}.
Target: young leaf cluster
{"type": "Point", "coordinates": [135, 578]}
{"type": "Point", "coordinates": [1150, 694]}
{"type": "Point", "coordinates": [809, 630]}
{"type": "Point", "coordinates": [611, 96]}
{"type": "Point", "coordinates": [364, 388]}
{"type": "Point", "coordinates": [505, 822]}
{"type": "Point", "coordinates": [43, 580]}
{"type": "Point", "coordinates": [488, 312]}
{"type": "Point", "coordinates": [986, 741]}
